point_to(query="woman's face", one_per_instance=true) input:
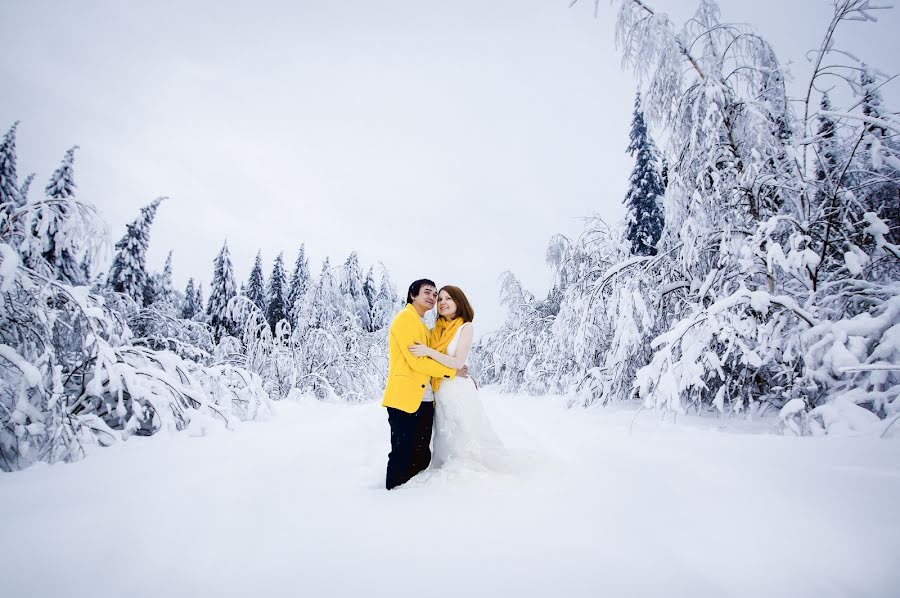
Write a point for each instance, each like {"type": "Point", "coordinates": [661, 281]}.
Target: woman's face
{"type": "Point", "coordinates": [446, 305]}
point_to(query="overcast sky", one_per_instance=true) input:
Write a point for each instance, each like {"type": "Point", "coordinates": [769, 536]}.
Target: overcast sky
{"type": "Point", "coordinates": [444, 139]}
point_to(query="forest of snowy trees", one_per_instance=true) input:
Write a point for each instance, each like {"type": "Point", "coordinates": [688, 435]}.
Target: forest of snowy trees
{"type": "Point", "coordinates": [89, 357]}
{"type": "Point", "coordinates": [758, 266]}
{"type": "Point", "coordinates": [757, 269]}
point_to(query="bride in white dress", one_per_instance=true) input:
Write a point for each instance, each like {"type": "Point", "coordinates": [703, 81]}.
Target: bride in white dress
{"type": "Point", "coordinates": [462, 432]}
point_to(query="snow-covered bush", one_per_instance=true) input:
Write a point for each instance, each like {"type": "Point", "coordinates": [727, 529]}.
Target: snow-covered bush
{"type": "Point", "coordinates": [856, 358]}
{"type": "Point", "coordinates": [158, 330]}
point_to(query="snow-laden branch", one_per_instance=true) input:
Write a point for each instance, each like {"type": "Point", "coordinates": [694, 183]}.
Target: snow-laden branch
{"type": "Point", "coordinates": [872, 367]}
{"type": "Point", "coordinates": [878, 122]}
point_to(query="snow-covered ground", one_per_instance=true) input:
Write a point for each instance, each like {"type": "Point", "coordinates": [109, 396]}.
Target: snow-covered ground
{"type": "Point", "coordinates": [294, 506]}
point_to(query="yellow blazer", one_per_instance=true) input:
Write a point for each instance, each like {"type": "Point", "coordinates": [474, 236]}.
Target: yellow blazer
{"type": "Point", "coordinates": [408, 375]}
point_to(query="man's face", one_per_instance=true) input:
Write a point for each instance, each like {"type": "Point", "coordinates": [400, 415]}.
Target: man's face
{"type": "Point", "coordinates": [426, 298]}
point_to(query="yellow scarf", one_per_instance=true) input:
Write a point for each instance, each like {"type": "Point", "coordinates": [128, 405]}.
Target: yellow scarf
{"type": "Point", "coordinates": [441, 335]}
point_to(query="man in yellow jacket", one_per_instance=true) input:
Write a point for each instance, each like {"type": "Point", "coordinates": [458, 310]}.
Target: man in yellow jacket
{"type": "Point", "coordinates": [407, 394]}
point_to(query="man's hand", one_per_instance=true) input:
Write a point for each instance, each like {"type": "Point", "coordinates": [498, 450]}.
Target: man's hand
{"type": "Point", "coordinates": [463, 372]}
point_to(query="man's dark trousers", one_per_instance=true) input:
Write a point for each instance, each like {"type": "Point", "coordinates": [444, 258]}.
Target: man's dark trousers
{"type": "Point", "coordinates": [410, 443]}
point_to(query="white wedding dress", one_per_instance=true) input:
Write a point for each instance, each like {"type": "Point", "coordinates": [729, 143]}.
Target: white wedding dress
{"type": "Point", "coordinates": [462, 432]}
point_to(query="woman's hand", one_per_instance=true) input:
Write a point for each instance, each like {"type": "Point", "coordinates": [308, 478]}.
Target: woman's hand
{"type": "Point", "coordinates": [420, 350]}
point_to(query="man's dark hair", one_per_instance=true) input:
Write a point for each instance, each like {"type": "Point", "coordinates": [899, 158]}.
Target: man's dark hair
{"type": "Point", "coordinates": [415, 287]}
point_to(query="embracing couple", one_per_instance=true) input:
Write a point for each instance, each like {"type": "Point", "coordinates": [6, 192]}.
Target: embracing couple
{"type": "Point", "coordinates": [428, 387]}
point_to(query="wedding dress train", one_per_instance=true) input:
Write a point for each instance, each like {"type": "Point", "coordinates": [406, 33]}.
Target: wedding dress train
{"type": "Point", "coordinates": [463, 434]}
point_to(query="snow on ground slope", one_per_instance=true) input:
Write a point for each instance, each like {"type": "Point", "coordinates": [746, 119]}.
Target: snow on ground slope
{"type": "Point", "coordinates": [294, 506]}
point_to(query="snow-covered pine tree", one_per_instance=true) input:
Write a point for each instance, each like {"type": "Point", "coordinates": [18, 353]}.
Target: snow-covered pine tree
{"type": "Point", "coordinates": [10, 198]}
{"type": "Point", "coordinates": [387, 303]}
{"type": "Point", "coordinates": [255, 290]}
{"type": "Point", "coordinates": [276, 294]}
{"type": "Point", "coordinates": [69, 262]}
{"type": "Point", "coordinates": [198, 301]}
{"type": "Point", "coordinates": [351, 288]}
{"type": "Point", "coordinates": [643, 201]}
{"type": "Point", "coordinates": [299, 285]}
{"type": "Point", "coordinates": [12, 225]}
{"type": "Point", "coordinates": [148, 297]}
{"type": "Point", "coordinates": [188, 306]}
{"type": "Point", "coordinates": [222, 290]}
{"type": "Point", "coordinates": [26, 186]}
{"type": "Point", "coordinates": [128, 274]}
{"type": "Point", "coordinates": [166, 288]}
{"type": "Point", "coordinates": [62, 182]}
{"type": "Point", "coordinates": [325, 302]}
{"type": "Point", "coordinates": [826, 151]}
{"type": "Point", "coordinates": [161, 293]}
{"type": "Point", "coordinates": [52, 242]}
{"type": "Point", "coordinates": [351, 277]}
{"type": "Point", "coordinates": [871, 100]}
{"type": "Point", "coordinates": [370, 291]}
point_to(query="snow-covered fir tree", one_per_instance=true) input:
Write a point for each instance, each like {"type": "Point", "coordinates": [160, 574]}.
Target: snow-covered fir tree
{"type": "Point", "coordinates": [159, 291]}
{"type": "Point", "coordinates": [323, 301]}
{"type": "Point", "coordinates": [255, 290]}
{"type": "Point", "coordinates": [24, 188]}
{"type": "Point", "coordinates": [370, 292]}
{"type": "Point", "coordinates": [871, 100]}
{"type": "Point", "coordinates": [387, 303]}
{"type": "Point", "coordinates": [189, 306]}
{"type": "Point", "coordinates": [352, 289]}
{"type": "Point", "coordinates": [198, 301]}
{"type": "Point", "coordinates": [10, 198]}
{"type": "Point", "coordinates": [51, 241]}
{"type": "Point", "coordinates": [826, 150]}
{"type": "Point", "coordinates": [222, 289]}
{"type": "Point", "coordinates": [128, 273]}
{"type": "Point", "coordinates": [276, 294]}
{"type": "Point", "coordinates": [299, 284]}
{"type": "Point", "coordinates": [644, 219]}
{"type": "Point", "coordinates": [165, 286]}
{"type": "Point", "coordinates": [62, 183]}
{"type": "Point", "coordinates": [351, 283]}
